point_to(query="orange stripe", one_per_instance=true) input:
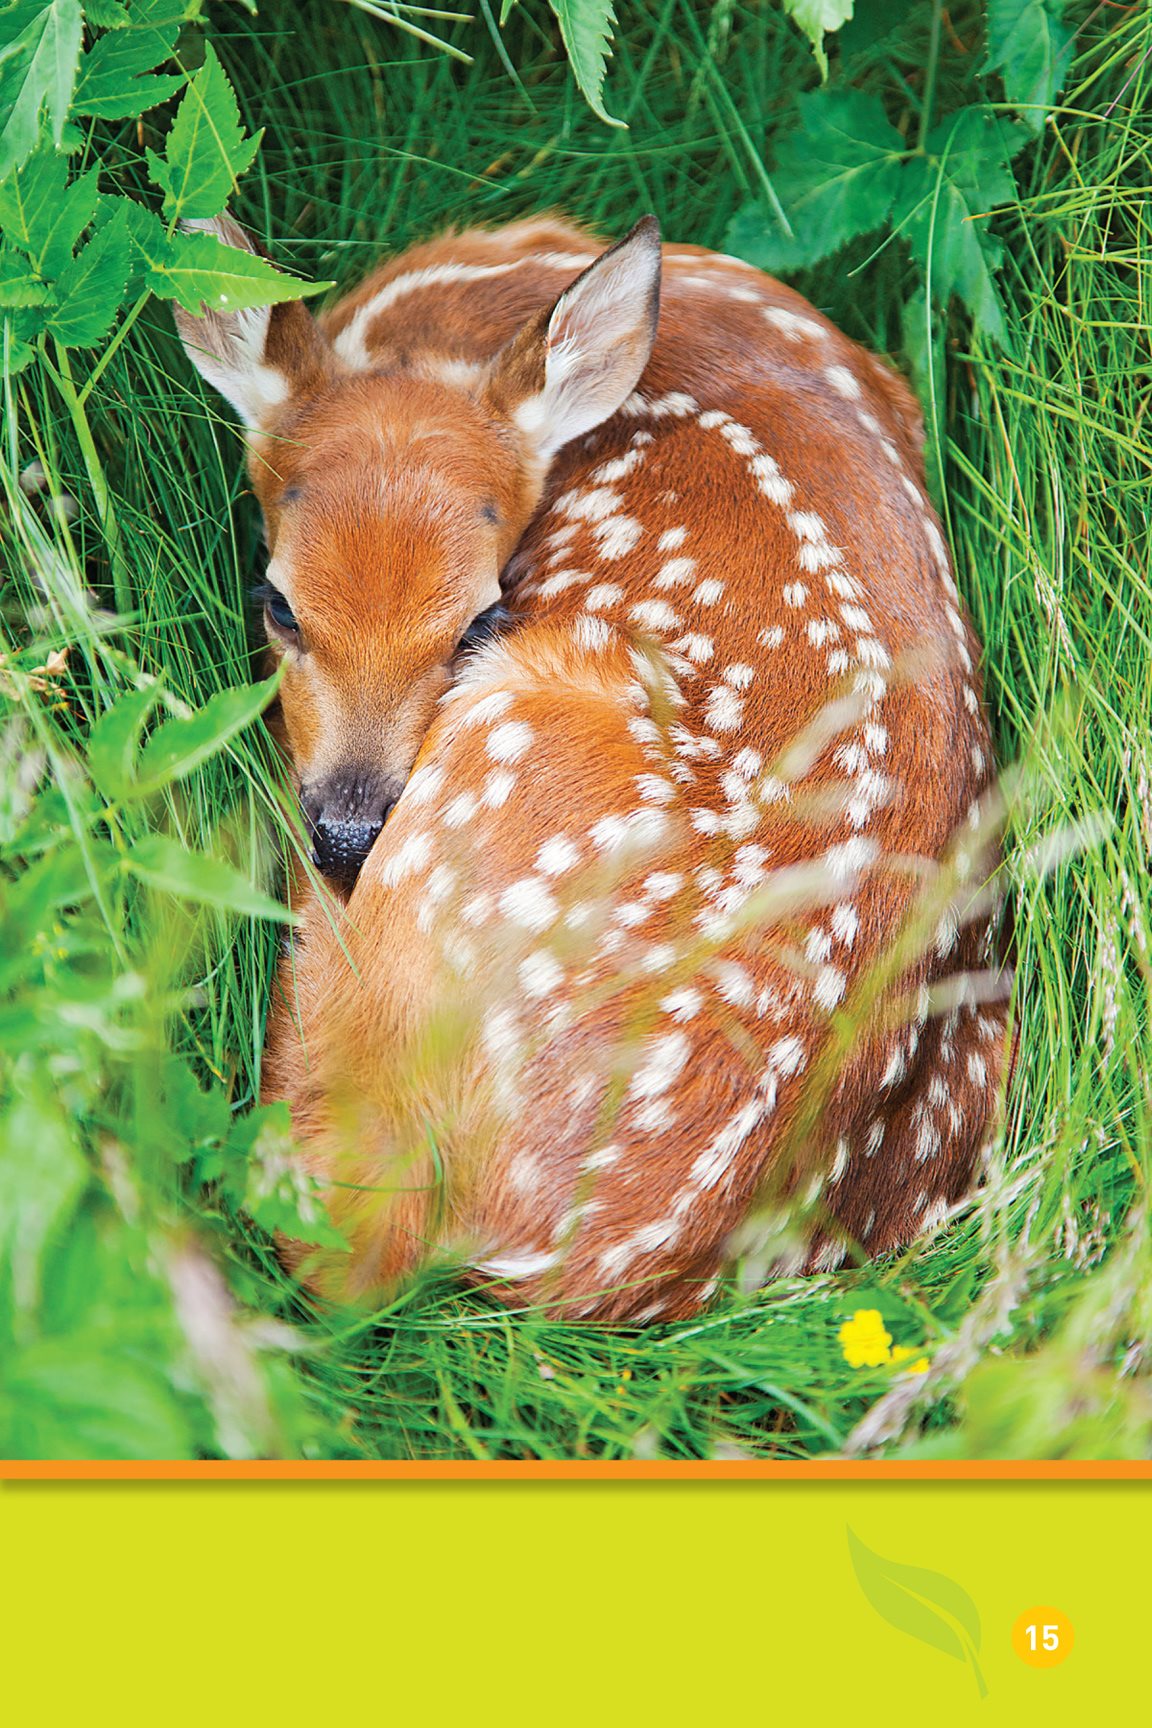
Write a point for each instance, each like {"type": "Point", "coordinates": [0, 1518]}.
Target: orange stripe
{"type": "Point", "coordinates": [835, 1470]}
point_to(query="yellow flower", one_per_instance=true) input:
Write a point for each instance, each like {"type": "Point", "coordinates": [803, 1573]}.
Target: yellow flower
{"type": "Point", "coordinates": [864, 1341]}
{"type": "Point", "coordinates": [901, 1353]}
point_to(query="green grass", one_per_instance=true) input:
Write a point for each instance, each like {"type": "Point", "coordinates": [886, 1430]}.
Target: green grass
{"type": "Point", "coordinates": [1035, 1304]}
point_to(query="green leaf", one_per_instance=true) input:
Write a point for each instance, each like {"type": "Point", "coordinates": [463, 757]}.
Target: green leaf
{"type": "Point", "coordinates": [39, 54]}
{"type": "Point", "coordinates": [91, 289]}
{"type": "Point", "coordinates": [168, 867]}
{"type": "Point", "coordinates": [922, 328]}
{"type": "Point", "coordinates": [586, 28]}
{"type": "Point", "coordinates": [19, 285]}
{"type": "Point", "coordinates": [872, 24]}
{"type": "Point", "coordinates": [113, 742]}
{"type": "Point", "coordinates": [106, 14]}
{"type": "Point", "coordinates": [114, 82]}
{"type": "Point", "coordinates": [816, 18]}
{"type": "Point", "coordinates": [75, 1397]}
{"type": "Point", "coordinates": [836, 175]}
{"type": "Point", "coordinates": [45, 213]}
{"type": "Point", "coordinates": [196, 270]}
{"type": "Point", "coordinates": [1031, 44]}
{"type": "Point", "coordinates": [181, 745]}
{"type": "Point", "coordinates": [17, 328]}
{"type": "Point", "coordinates": [926, 1605]}
{"type": "Point", "coordinates": [206, 151]}
{"type": "Point", "coordinates": [42, 1177]}
{"type": "Point", "coordinates": [946, 197]}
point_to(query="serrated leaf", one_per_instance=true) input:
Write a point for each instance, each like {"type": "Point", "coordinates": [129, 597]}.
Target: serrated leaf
{"type": "Point", "coordinates": [114, 741]}
{"type": "Point", "coordinates": [196, 270]}
{"type": "Point", "coordinates": [106, 14]}
{"type": "Point", "coordinates": [181, 745]}
{"type": "Point", "coordinates": [44, 213]}
{"type": "Point", "coordinates": [817, 18]}
{"type": "Point", "coordinates": [836, 175]}
{"type": "Point", "coordinates": [946, 197]}
{"type": "Point", "coordinates": [206, 150]}
{"type": "Point", "coordinates": [586, 29]}
{"type": "Point", "coordinates": [926, 1605]}
{"type": "Point", "coordinates": [90, 290]}
{"type": "Point", "coordinates": [1030, 44]}
{"type": "Point", "coordinates": [39, 55]}
{"type": "Point", "coordinates": [169, 868]}
{"type": "Point", "coordinates": [115, 80]}
{"type": "Point", "coordinates": [19, 285]}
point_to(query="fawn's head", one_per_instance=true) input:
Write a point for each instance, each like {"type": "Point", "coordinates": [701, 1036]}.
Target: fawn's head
{"type": "Point", "coordinates": [392, 502]}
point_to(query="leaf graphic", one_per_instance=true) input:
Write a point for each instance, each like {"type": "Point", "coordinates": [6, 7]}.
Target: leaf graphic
{"type": "Point", "coordinates": [926, 1605]}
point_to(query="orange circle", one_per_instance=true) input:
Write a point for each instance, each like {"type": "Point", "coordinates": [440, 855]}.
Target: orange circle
{"type": "Point", "coordinates": [1043, 1637]}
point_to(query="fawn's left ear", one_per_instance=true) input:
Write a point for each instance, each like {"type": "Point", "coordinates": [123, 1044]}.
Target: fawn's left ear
{"type": "Point", "coordinates": [259, 358]}
{"type": "Point", "coordinates": [570, 368]}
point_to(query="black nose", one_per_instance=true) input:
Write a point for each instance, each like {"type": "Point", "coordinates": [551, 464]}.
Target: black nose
{"type": "Point", "coordinates": [345, 814]}
{"type": "Point", "coordinates": [340, 848]}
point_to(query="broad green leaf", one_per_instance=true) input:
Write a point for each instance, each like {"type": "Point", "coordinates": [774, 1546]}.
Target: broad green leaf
{"type": "Point", "coordinates": [197, 270]}
{"type": "Point", "coordinates": [39, 53]}
{"type": "Point", "coordinates": [62, 877]}
{"type": "Point", "coordinates": [17, 329]}
{"type": "Point", "coordinates": [168, 867]}
{"type": "Point", "coordinates": [19, 284]}
{"type": "Point", "coordinates": [75, 1397]}
{"type": "Point", "coordinates": [816, 18]}
{"type": "Point", "coordinates": [871, 24]}
{"type": "Point", "coordinates": [106, 14]}
{"type": "Point", "coordinates": [45, 213]}
{"type": "Point", "coordinates": [836, 175]}
{"type": "Point", "coordinates": [181, 745]}
{"type": "Point", "coordinates": [1030, 43]}
{"type": "Point", "coordinates": [926, 1605]}
{"type": "Point", "coordinates": [586, 28]}
{"type": "Point", "coordinates": [90, 290]}
{"type": "Point", "coordinates": [114, 740]}
{"type": "Point", "coordinates": [945, 201]}
{"type": "Point", "coordinates": [42, 1176]}
{"type": "Point", "coordinates": [115, 81]}
{"type": "Point", "coordinates": [206, 151]}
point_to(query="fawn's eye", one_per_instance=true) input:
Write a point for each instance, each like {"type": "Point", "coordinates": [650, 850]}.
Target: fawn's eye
{"type": "Point", "coordinates": [277, 608]}
{"type": "Point", "coordinates": [483, 627]}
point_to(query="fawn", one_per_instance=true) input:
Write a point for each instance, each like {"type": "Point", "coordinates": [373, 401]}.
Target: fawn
{"type": "Point", "coordinates": [632, 707]}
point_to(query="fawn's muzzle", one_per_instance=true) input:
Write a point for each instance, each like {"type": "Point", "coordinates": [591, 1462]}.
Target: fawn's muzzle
{"type": "Point", "coordinates": [345, 814]}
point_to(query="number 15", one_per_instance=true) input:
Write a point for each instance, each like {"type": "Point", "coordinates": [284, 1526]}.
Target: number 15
{"type": "Point", "coordinates": [1050, 1637]}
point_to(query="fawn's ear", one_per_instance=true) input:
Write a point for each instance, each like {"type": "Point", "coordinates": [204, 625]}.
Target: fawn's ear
{"type": "Point", "coordinates": [257, 358]}
{"type": "Point", "coordinates": [568, 369]}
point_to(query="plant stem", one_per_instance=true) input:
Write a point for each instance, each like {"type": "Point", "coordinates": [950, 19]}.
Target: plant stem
{"type": "Point", "coordinates": [101, 364]}
{"type": "Point", "coordinates": [102, 497]}
{"type": "Point", "coordinates": [932, 70]}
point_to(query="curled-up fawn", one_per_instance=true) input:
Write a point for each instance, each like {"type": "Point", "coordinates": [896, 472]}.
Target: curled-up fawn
{"type": "Point", "coordinates": [639, 735]}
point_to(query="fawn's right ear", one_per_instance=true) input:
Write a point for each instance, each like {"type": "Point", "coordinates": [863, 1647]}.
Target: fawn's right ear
{"type": "Point", "coordinates": [260, 357]}
{"type": "Point", "coordinates": [570, 368]}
